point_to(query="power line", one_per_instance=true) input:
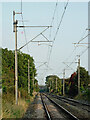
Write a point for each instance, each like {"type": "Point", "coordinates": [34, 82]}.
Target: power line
{"type": "Point", "coordinates": [71, 54]}
{"type": "Point", "coordinates": [23, 27]}
{"type": "Point", "coordinates": [83, 51]}
{"type": "Point", "coordinates": [76, 56]}
{"type": "Point", "coordinates": [60, 21]}
{"type": "Point", "coordinates": [25, 33]}
{"type": "Point", "coordinates": [21, 6]}
{"type": "Point", "coordinates": [71, 62]}
{"type": "Point", "coordinates": [82, 38]}
{"type": "Point", "coordinates": [58, 29]}
{"type": "Point", "coordinates": [53, 15]}
{"type": "Point", "coordinates": [34, 38]}
{"type": "Point", "coordinates": [75, 46]}
{"type": "Point", "coordinates": [54, 12]}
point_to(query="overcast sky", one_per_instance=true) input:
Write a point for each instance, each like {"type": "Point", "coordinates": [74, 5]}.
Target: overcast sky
{"type": "Point", "coordinates": [72, 29]}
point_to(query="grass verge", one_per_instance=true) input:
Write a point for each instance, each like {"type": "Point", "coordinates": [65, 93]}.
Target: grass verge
{"type": "Point", "coordinates": [10, 110]}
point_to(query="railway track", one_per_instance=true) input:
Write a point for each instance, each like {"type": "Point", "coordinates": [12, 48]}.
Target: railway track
{"type": "Point", "coordinates": [54, 111]}
{"type": "Point", "coordinates": [73, 102]}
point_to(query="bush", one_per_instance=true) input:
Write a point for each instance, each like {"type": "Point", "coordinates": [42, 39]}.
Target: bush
{"type": "Point", "coordinates": [4, 89]}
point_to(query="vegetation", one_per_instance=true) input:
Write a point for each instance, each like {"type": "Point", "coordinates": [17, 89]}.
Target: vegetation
{"type": "Point", "coordinates": [42, 88]}
{"type": "Point", "coordinates": [0, 80]}
{"type": "Point", "coordinates": [84, 96]}
{"type": "Point", "coordinates": [8, 82]}
{"type": "Point", "coordinates": [51, 84]}
{"type": "Point", "coordinates": [71, 85]}
{"type": "Point", "coordinates": [73, 82]}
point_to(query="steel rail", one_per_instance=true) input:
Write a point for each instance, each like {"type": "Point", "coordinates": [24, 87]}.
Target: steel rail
{"type": "Point", "coordinates": [45, 108]}
{"type": "Point", "coordinates": [72, 117]}
{"type": "Point", "coordinates": [74, 102]}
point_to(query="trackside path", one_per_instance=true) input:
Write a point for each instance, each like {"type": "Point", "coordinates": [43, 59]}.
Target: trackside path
{"type": "Point", "coordinates": [35, 110]}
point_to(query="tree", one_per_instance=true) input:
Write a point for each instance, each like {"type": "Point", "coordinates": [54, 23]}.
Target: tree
{"type": "Point", "coordinates": [8, 70]}
{"type": "Point", "coordinates": [51, 84]}
{"type": "Point", "coordinates": [73, 82]}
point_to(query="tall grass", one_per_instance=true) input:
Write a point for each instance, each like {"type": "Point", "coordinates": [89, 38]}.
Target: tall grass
{"type": "Point", "coordinates": [10, 110]}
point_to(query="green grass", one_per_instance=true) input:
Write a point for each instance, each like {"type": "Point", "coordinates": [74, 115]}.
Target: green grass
{"type": "Point", "coordinates": [10, 110]}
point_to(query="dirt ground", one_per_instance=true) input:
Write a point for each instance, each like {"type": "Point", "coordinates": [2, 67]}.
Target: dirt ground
{"type": "Point", "coordinates": [35, 110]}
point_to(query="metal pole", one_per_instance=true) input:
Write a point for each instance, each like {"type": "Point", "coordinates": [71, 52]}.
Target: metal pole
{"type": "Point", "coordinates": [79, 75]}
{"type": "Point", "coordinates": [49, 89]}
{"type": "Point", "coordinates": [13, 21]}
{"type": "Point", "coordinates": [28, 78]}
{"type": "Point", "coordinates": [50, 85]}
{"type": "Point", "coordinates": [64, 82]}
{"type": "Point", "coordinates": [33, 80]}
{"type": "Point", "coordinates": [16, 66]}
{"type": "Point", "coordinates": [56, 84]}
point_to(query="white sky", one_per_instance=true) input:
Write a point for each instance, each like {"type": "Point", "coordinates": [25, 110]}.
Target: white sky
{"type": "Point", "coordinates": [43, 0]}
{"type": "Point", "coordinates": [71, 31]}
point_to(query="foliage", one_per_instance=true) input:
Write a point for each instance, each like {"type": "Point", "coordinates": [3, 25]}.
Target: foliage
{"type": "Point", "coordinates": [43, 88]}
{"type": "Point", "coordinates": [8, 70]}
{"type": "Point", "coordinates": [51, 84]}
{"type": "Point", "coordinates": [85, 96]}
{"type": "Point", "coordinates": [73, 82]}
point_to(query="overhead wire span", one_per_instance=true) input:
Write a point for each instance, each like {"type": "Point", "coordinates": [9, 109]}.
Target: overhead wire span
{"type": "Point", "coordinates": [49, 55]}
{"type": "Point", "coordinates": [58, 29]}
{"type": "Point", "coordinates": [23, 27]}
{"type": "Point", "coordinates": [75, 48]}
{"type": "Point", "coordinates": [82, 38]}
{"type": "Point", "coordinates": [39, 66]}
{"type": "Point", "coordinates": [21, 6]}
{"type": "Point", "coordinates": [60, 21]}
{"type": "Point", "coordinates": [57, 32]}
{"type": "Point", "coordinates": [77, 43]}
{"type": "Point", "coordinates": [33, 38]}
{"type": "Point", "coordinates": [68, 66]}
{"type": "Point", "coordinates": [42, 64]}
{"type": "Point", "coordinates": [25, 33]}
{"type": "Point", "coordinates": [74, 60]}
{"type": "Point", "coordinates": [53, 17]}
{"type": "Point", "coordinates": [84, 51]}
{"type": "Point", "coordinates": [76, 56]}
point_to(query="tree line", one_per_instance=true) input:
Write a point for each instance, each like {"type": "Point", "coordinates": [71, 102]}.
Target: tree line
{"type": "Point", "coordinates": [8, 73]}
{"type": "Point", "coordinates": [71, 83]}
